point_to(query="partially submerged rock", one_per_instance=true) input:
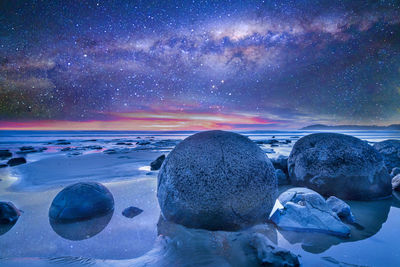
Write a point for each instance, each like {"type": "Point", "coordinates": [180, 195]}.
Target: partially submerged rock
{"type": "Point", "coordinates": [131, 212]}
{"type": "Point", "coordinates": [156, 165]}
{"type": "Point", "coordinates": [178, 245]}
{"type": "Point", "coordinates": [16, 161]}
{"type": "Point", "coordinates": [302, 209]}
{"type": "Point", "coordinates": [143, 142]}
{"type": "Point", "coordinates": [390, 149]}
{"type": "Point", "coordinates": [81, 201]}
{"type": "Point", "coordinates": [339, 165]}
{"type": "Point", "coordinates": [9, 214]}
{"type": "Point", "coordinates": [5, 153]}
{"type": "Point", "coordinates": [341, 208]}
{"type": "Point", "coordinates": [216, 180]}
{"type": "Point", "coordinates": [396, 183]}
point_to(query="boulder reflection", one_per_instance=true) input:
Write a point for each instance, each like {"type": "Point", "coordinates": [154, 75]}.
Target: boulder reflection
{"type": "Point", "coordinates": [4, 228]}
{"type": "Point", "coordinates": [82, 229]}
{"type": "Point", "coordinates": [370, 215]}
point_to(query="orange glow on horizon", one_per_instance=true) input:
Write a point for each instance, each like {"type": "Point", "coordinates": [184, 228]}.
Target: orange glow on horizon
{"type": "Point", "coordinates": [147, 121]}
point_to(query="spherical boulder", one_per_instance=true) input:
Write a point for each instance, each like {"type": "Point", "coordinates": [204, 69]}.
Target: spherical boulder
{"type": "Point", "coordinates": [390, 150]}
{"type": "Point", "coordinates": [216, 180]}
{"type": "Point", "coordinates": [339, 165]}
{"type": "Point", "coordinates": [81, 201]}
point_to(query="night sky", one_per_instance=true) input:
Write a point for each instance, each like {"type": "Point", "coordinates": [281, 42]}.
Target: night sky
{"type": "Point", "coordinates": [193, 65]}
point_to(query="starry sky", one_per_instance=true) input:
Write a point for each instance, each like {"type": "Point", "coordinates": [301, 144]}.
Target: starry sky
{"type": "Point", "coordinates": [195, 65]}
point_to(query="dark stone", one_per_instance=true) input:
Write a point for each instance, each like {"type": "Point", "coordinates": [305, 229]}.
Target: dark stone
{"type": "Point", "coordinates": [156, 165]}
{"type": "Point", "coordinates": [339, 165]}
{"type": "Point", "coordinates": [16, 161]}
{"type": "Point", "coordinates": [81, 201]}
{"type": "Point", "coordinates": [143, 142]}
{"type": "Point", "coordinates": [390, 150]}
{"type": "Point", "coordinates": [26, 148]}
{"type": "Point", "coordinates": [217, 180]}
{"type": "Point", "coordinates": [131, 212]}
{"type": "Point", "coordinates": [267, 142]}
{"type": "Point", "coordinates": [63, 143]}
{"type": "Point", "coordinates": [94, 147]}
{"type": "Point", "coordinates": [3, 165]}
{"type": "Point", "coordinates": [5, 153]}
{"type": "Point", "coordinates": [9, 214]}
{"type": "Point", "coordinates": [66, 149]}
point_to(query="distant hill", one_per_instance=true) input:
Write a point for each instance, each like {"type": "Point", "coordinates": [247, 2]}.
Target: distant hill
{"type": "Point", "coordinates": [351, 127]}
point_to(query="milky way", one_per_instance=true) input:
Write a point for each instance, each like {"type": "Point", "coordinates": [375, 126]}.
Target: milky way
{"type": "Point", "coordinates": [199, 64]}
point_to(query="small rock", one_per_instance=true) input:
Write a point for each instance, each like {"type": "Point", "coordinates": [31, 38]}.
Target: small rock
{"type": "Point", "coordinates": [270, 255]}
{"type": "Point", "coordinates": [267, 142]}
{"type": "Point", "coordinates": [26, 148]}
{"type": "Point", "coordinates": [143, 142]}
{"type": "Point", "coordinates": [396, 183]}
{"type": "Point", "coordinates": [341, 208]}
{"type": "Point", "coordinates": [16, 161]}
{"type": "Point", "coordinates": [66, 149]}
{"type": "Point", "coordinates": [110, 151]}
{"type": "Point", "coordinates": [3, 165]}
{"type": "Point", "coordinates": [5, 153]}
{"type": "Point", "coordinates": [63, 143]}
{"type": "Point", "coordinates": [9, 214]}
{"type": "Point", "coordinates": [156, 165]}
{"type": "Point", "coordinates": [302, 209]}
{"type": "Point", "coordinates": [282, 178]}
{"type": "Point", "coordinates": [131, 212]}
{"type": "Point", "coordinates": [395, 171]}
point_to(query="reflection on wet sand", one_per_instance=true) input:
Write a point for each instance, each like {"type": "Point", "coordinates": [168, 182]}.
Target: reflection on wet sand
{"type": "Point", "coordinates": [4, 228]}
{"type": "Point", "coordinates": [370, 215]}
{"type": "Point", "coordinates": [83, 229]}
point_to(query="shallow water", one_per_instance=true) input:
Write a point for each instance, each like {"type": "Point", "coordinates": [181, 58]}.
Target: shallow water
{"type": "Point", "coordinates": [32, 187]}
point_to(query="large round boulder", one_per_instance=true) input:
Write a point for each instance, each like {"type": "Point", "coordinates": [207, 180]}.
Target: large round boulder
{"type": "Point", "coordinates": [216, 180]}
{"type": "Point", "coordinates": [390, 150]}
{"type": "Point", "coordinates": [81, 201]}
{"type": "Point", "coordinates": [339, 165]}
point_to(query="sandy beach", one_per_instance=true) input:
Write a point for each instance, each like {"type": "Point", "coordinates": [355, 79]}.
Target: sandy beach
{"type": "Point", "coordinates": [133, 242]}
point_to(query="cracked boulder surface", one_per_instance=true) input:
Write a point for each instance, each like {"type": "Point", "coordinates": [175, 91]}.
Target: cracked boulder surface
{"type": "Point", "coordinates": [216, 180]}
{"type": "Point", "coordinates": [304, 210]}
{"type": "Point", "coordinates": [339, 165]}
